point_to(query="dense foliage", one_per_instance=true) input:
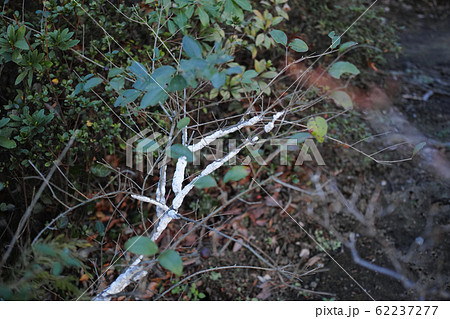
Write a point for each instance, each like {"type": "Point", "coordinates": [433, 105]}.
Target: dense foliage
{"type": "Point", "coordinates": [98, 71]}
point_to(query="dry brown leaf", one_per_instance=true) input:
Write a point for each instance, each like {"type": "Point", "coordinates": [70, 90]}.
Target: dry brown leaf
{"type": "Point", "coordinates": [151, 290]}
{"type": "Point", "coordinates": [313, 260]}
{"type": "Point", "coordinates": [84, 278]}
{"type": "Point", "coordinates": [266, 291]}
{"type": "Point", "coordinates": [237, 245]}
{"type": "Point", "coordinates": [273, 202]}
{"type": "Point", "coordinates": [261, 222]}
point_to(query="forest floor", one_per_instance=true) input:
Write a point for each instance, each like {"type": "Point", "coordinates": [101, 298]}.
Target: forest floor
{"type": "Point", "coordinates": [410, 201]}
{"type": "Point", "coordinates": [399, 213]}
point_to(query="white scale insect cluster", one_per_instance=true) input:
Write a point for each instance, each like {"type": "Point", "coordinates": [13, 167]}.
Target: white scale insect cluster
{"type": "Point", "coordinates": [136, 271]}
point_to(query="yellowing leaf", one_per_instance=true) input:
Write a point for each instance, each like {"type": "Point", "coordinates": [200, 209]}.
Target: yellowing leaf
{"type": "Point", "coordinates": [55, 81]}
{"type": "Point", "coordinates": [418, 148]}
{"type": "Point", "coordinates": [260, 66]}
{"type": "Point", "coordinates": [318, 127]}
{"type": "Point", "coordinates": [342, 99]}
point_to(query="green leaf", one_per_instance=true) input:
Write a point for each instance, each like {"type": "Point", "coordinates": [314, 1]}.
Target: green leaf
{"type": "Point", "coordinates": [234, 70]}
{"type": "Point", "coordinates": [269, 74]}
{"type": "Point", "coordinates": [171, 26]}
{"type": "Point", "coordinates": [141, 245]}
{"type": "Point", "coordinates": [30, 78]}
{"type": "Point", "coordinates": [87, 77]}
{"type": "Point", "coordinates": [113, 72]}
{"type": "Point", "coordinates": [171, 260]}
{"type": "Point", "coordinates": [299, 45]}
{"type": "Point", "coordinates": [138, 70]}
{"type": "Point", "coordinates": [178, 150]}
{"type": "Point", "coordinates": [4, 121]}
{"type": "Point", "coordinates": [44, 249]}
{"type": "Point", "coordinates": [100, 170]}
{"type": "Point", "coordinates": [192, 47]}
{"type": "Point", "coordinates": [100, 227]}
{"type": "Point", "coordinates": [318, 127]}
{"type": "Point", "coordinates": [259, 39]}
{"type": "Point", "coordinates": [181, 19]}
{"type": "Point", "coordinates": [21, 44]}
{"type": "Point", "coordinates": [162, 75]}
{"type": "Point", "coordinates": [117, 84]}
{"type": "Point", "coordinates": [205, 182]}
{"type": "Point", "coordinates": [153, 97]}
{"type": "Point", "coordinates": [7, 143]}
{"type": "Point", "coordinates": [418, 148]}
{"type": "Point", "coordinates": [341, 67]}
{"type": "Point", "coordinates": [183, 122]}
{"type": "Point", "coordinates": [146, 145]}
{"type": "Point", "coordinates": [342, 99]}
{"type": "Point", "coordinates": [68, 260]}
{"type": "Point", "coordinates": [127, 96]}
{"type": "Point", "coordinates": [244, 4]}
{"type": "Point", "coordinates": [57, 268]}
{"type": "Point", "coordinates": [16, 57]}
{"type": "Point", "coordinates": [78, 88]}
{"type": "Point", "coordinates": [189, 11]}
{"type": "Point", "coordinates": [248, 76]}
{"type": "Point", "coordinates": [335, 39]}
{"type": "Point", "coordinates": [21, 32]}
{"type": "Point", "coordinates": [218, 79]}
{"type": "Point", "coordinates": [300, 137]}
{"type": "Point", "coordinates": [236, 174]}
{"type": "Point", "coordinates": [279, 37]}
{"type": "Point", "coordinates": [178, 83]}
{"type": "Point", "coordinates": [21, 77]}
{"type": "Point", "coordinates": [279, 19]}
{"type": "Point", "coordinates": [71, 43]}
{"type": "Point", "coordinates": [346, 45]}
{"type": "Point", "coordinates": [92, 82]}
{"type": "Point", "coordinates": [2, 186]}
{"type": "Point", "coordinates": [204, 18]}
{"type": "Point", "coordinates": [193, 64]}
{"type": "Point", "coordinates": [232, 11]}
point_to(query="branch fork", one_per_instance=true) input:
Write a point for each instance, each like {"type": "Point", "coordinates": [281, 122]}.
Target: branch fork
{"type": "Point", "coordinates": [136, 270]}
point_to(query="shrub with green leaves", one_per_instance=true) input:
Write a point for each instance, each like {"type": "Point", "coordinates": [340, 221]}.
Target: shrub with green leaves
{"type": "Point", "coordinates": [51, 265]}
{"type": "Point", "coordinates": [373, 32]}
{"type": "Point", "coordinates": [105, 72]}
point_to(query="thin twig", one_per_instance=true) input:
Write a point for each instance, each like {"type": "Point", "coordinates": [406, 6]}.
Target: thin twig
{"type": "Point", "coordinates": [385, 271]}
{"type": "Point", "coordinates": [29, 210]}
